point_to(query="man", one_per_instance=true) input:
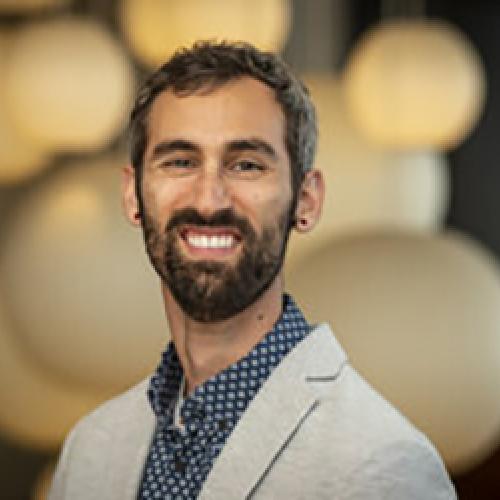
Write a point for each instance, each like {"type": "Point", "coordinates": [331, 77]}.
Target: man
{"type": "Point", "coordinates": [248, 400]}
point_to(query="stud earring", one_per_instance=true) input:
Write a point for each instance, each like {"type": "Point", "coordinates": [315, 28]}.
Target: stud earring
{"type": "Point", "coordinates": [302, 222]}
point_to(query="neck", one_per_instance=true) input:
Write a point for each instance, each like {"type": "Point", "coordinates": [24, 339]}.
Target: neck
{"type": "Point", "coordinates": [205, 349]}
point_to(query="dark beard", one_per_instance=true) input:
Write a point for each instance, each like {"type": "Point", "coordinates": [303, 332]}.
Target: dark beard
{"type": "Point", "coordinates": [210, 291]}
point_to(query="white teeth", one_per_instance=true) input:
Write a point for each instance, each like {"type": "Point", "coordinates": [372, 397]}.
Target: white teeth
{"type": "Point", "coordinates": [202, 241]}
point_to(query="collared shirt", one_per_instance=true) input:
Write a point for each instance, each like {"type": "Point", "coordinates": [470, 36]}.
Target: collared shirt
{"type": "Point", "coordinates": [183, 449]}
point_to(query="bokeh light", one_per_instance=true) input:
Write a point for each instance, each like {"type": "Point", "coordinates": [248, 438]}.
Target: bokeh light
{"type": "Point", "coordinates": [36, 409]}
{"type": "Point", "coordinates": [26, 6]}
{"type": "Point", "coordinates": [415, 84]}
{"type": "Point", "coordinates": [68, 84]}
{"type": "Point", "coordinates": [81, 291]}
{"type": "Point", "coordinates": [155, 28]}
{"type": "Point", "coordinates": [418, 316]}
{"type": "Point", "coordinates": [19, 158]}
{"type": "Point", "coordinates": [369, 188]}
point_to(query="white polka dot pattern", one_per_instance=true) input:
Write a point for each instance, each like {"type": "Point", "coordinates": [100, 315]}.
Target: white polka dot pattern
{"type": "Point", "coordinates": [180, 459]}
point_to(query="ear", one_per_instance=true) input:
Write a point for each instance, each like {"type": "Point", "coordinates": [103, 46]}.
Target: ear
{"type": "Point", "coordinates": [310, 201]}
{"type": "Point", "coordinates": [129, 198]}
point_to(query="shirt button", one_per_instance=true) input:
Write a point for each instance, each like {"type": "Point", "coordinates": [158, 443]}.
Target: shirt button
{"type": "Point", "coordinates": [179, 466]}
{"type": "Point", "coordinates": [222, 424]}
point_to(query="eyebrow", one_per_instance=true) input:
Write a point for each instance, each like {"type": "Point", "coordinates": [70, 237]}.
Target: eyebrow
{"type": "Point", "coordinates": [165, 147]}
{"type": "Point", "coordinates": [252, 144]}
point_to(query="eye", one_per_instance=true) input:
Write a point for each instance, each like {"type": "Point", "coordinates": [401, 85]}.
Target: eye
{"type": "Point", "coordinates": [247, 166]}
{"type": "Point", "coordinates": [178, 163]}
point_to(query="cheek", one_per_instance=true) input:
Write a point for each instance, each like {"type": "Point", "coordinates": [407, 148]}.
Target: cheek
{"type": "Point", "coordinates": [159, 198]}
{"type": "Point", "coordinates": [269, 209]}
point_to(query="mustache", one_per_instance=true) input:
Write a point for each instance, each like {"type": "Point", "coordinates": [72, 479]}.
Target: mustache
{"type": "Point", "coordinates": [225, 217]}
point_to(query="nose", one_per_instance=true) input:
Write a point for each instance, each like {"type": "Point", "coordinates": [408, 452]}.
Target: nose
{"type": "Point", "coordinates": [210, 192]}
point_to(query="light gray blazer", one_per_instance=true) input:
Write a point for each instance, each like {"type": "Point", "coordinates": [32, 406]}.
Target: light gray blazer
{"type": "Point", "coordinates": [315, 430]}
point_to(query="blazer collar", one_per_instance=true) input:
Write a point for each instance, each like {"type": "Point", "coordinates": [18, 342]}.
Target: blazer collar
{"type": "Point", "coordinates": [277, 411]}
{"type": "Point", "coordinates": [126, 463]}
{"type": "Point", "coordinates": [284, 401]}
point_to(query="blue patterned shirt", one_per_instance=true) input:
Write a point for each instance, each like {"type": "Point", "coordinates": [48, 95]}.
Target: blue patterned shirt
{"type": "Point", "coordinates": [181, 456]}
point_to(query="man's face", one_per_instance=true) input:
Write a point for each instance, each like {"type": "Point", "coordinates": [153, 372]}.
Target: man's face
{"type": "Point", "coordinates": [217, 196]}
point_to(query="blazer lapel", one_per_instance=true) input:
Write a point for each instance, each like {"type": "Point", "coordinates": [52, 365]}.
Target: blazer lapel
{"type": "Point", "coordinates": [272, 418]}
{"type": "Point", "coordinates": [128, 450]}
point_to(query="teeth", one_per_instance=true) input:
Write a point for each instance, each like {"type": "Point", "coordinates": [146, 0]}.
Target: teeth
{"type": "Point", "coordinates": [202, 241]}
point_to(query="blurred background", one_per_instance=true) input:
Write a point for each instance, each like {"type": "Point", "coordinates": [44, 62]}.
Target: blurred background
{"type": "Point", "coordinates": [404, 265]}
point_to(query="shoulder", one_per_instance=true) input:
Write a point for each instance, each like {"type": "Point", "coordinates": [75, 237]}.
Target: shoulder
{"type": "Point", "coordinates": [117, 410]}
{"type": "Point", "coordinates": [114, 421]}
{"type": "Point", "coordinates": [362, 409]}
{"type": "Point", "coordinates": [386, 453]}
{"type": "Point", "coordinates": [352, 402]}
{"type": "Point", "coordinates": [116, 431]}
{"type": "Point", "coordinates": [372, 445]}
{"type": "Point", "coordinates": [350, 410]}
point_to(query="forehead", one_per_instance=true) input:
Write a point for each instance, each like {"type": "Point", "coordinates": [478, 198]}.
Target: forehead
{"type": "Point", "coordinates": [240, 108]}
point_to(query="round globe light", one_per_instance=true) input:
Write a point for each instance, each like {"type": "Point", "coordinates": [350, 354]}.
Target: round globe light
{"type": "Point", "coordinates": [415, 84]}
{"type": "Point", "coordinates": [68, 85]}
{"type": "Point", "coordinates": [155, 28]}
{"type": "Point", "coordinates": [86, 304]}
{"type": "Point", "coordinates": [368, 188]}
{"type": "Point", "coordinates": [418, 316]}
{"type": "Point", "coordinates": [19, 159]}
{"type": "Point", "coordinates": [28, 392]}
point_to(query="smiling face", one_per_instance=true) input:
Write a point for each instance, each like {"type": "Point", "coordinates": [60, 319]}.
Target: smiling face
{"type": "Point", "coordinates": [217, 196]}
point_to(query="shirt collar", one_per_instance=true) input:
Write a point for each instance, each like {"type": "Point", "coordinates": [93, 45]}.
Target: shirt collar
{"type": "Point", "coordinates": [227, 394]}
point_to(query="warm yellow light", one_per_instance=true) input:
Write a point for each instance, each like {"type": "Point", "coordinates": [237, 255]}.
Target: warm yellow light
{"type": "Point", "coordinates": [368, 188]}
{"type": "Point", "coordinates": [22, 6]}
{"type": "Point", "coordinates": [78, 281]}
{"type": "Point", "coordinates": [68, 85]}
{"type": "Point", "coordinates": [19, 158]}
{"type": "Point", "coordinates": [415, 84]}
{"type": "Point", "coordinates": [418, 316]}
{"type": "Point", "coordinates": [155, 28]}
{"type": "Point", "coordinates": [36, 409]}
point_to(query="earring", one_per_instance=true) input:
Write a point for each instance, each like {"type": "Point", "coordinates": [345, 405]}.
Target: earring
{"type": "Point", "coordinates": [302, 222]}
{"type": "Point", "coordinates": [137, 215]}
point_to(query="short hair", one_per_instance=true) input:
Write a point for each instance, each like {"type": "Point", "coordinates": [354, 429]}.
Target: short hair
{"type": "Point", "coordinates": [211, 64]}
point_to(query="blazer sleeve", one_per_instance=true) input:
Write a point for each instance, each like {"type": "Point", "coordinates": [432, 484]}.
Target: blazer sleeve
{"type": "Point", "coordinates": [409, 470]}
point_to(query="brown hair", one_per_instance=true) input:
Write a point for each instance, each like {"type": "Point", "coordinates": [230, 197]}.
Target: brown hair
{"type": "Point", "coordinates": [214, 63]}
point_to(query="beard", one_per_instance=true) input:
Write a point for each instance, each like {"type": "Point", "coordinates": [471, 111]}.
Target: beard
{"type": "Point", "coordinates": [211, 291]}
